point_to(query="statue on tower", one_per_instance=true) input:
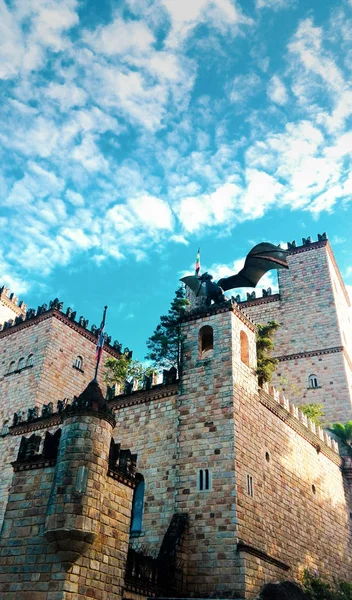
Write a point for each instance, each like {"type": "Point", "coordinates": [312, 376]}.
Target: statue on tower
{"type": "Point", "coordinates": [262, 258]}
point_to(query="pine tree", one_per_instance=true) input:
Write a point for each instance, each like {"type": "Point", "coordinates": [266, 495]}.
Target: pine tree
{"type": "Point", "coordinates": [165, 344]}
{"type": "Point", "coordinates": [265, 363]}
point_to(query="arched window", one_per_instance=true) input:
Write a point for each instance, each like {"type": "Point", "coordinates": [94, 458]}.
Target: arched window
{"type": "Point", "coordinates": [137, 507]}
{"type": "Point", "coordinates": [244, 348]}
{"type": "Point", "coordinates": [78, 363]}
{"type": "Point", "coordinates": [205, 340]}
{"type": "Point", "coordinates": [313, 381]}
{"type": "Point", "coordinates": [20, 364]}
{"type": "Point", "coordinates": [12, 367]}
{"type": "Point", "coordinates": [29, 361]}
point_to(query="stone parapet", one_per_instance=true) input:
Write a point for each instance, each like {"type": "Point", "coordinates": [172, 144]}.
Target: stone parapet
{"type": "Point", "coordinates": [288, 412]}
{"type": "Point", "coordinates": [11, 301]}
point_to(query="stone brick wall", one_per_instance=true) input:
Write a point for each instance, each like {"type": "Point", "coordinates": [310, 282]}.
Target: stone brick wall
{"type": "Point", "coordinates": [10, 308]}
{"type": "Point", "coordinates": [54, 346]}
{"type": "Point", "coordinates": [316, 332]}
{"type": "Point", "coordinates": [33, 548]}
{"type": "Point", "coordinates": [287, 518]}
{"type": "Point", "coordinates": [147, 425]}
{"type": "Point", "coordinates": [206, 441]}
{"type": "Point", "coordinates": [215, 420]}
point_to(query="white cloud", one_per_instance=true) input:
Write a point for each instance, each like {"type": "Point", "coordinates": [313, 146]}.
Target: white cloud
{"type": "Point", "coordinates": [307, 47]}
{"type": "Point", "coordinates": [89, 155]}
{"type": "Point", "coordinates": [208, 210]}
{"type": "Point", "coordinates": [66, 95]}
{"type": "Point", "coordinates": [10, 278]}
{"type": "Point", "coordinates": [262, 191]}
{"type": "Point", "coordinates": [151, 212]}
{"type": "Point", "coordinates": [30, 30]}
{"type": "Point", "coordinates": [75, 198]}
{"type": "Point", "coordinates": [275, 4]}
{"type": "Point", "coordinates": [277, 91]}
{"type": "Point", "coordinates": [244, 87]}
{"type": "Point", "coordinates": [179, 239]}
{"type": "Point", "coordinates": [121, 37]}
{"type": "Point", "coordinates": [118, 125]}
{"type": "Point", "coordinates": [184, 16]}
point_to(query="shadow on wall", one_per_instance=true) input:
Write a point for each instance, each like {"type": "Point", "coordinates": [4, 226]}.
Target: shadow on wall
{"type": "Point", "coordinates": [281, 591]}
{"type": "Point", "coordinates": [296, 501]}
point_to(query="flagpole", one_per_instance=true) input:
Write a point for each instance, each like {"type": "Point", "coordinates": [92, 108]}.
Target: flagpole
{"type": "Point", "coordinates": [100, 343]}
{"type": "Point", "coordinates": [197, 268]}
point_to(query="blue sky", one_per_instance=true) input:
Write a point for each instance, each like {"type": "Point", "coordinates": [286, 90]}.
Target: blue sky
{"type": "Point", "coordinates": [133, 132]}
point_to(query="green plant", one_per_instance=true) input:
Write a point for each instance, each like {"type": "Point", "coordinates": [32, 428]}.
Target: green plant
{"type": "Point", "coordinates": [265, 363]}
{"type": "Point", "coordinates": [290, 387]}
{"type": "Point", "coordinates": [165, 344]}
{"type": "Point", "coordinates": [344, 434]}
{"type": "Point", "coordinates": [122, 369]}
{"type": "Point", "coordinates": [316, 588]}
{"type": "Point", "coordinates": [314, 412]}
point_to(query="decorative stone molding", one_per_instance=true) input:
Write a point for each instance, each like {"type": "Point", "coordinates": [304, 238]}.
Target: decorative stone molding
{"type": "Point", "coordinates": [55, 313]}
{"type": "Point", "coordinates": [248, 549]}
{"type": "Point", "coordinates": [143, 396]}
{"type": "Point", "coordinates": [309, 353]}
{"type": "Point", "coordinates": [262, 300]}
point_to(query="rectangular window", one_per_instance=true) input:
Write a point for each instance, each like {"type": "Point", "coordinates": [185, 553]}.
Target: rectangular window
{"type": "Point", "coordinates": [204, 480]}
{"type": "Point", "coordinates": [81, 482]}
{"type": "Point", "coordinates": [250, 486]}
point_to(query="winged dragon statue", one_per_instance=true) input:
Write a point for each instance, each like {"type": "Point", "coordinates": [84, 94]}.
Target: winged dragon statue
{"type": "Point", "coordinates": [262, 258]}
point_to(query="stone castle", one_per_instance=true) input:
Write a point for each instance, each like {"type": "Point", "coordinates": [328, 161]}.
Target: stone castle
{"type": "Point", "coordinates": [206, 486]}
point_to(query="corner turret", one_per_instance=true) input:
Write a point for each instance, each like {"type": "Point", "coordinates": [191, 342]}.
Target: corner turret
{"type": "Point", "coordinates": [73, 513]}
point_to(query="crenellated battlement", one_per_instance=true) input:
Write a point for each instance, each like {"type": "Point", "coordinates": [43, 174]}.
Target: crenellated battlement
{"type": "Point", "coordinates": [26, 315]}
{"type": "Point", "coordinates": [267, 295]}
{"type": "Point", "coordinates": [10, 305]}
{"type": "Point", "coordinates": [291, 409]}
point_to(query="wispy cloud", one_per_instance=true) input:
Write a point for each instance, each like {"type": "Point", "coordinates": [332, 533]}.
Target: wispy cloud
{"type": "Point", "coordinates": [125, 135]}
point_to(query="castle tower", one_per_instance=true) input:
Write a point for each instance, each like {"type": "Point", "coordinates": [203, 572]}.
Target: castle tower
{"type": "Point", "coordinates": [10, 308]}
{"type": "Point", "coordinates": [219, 354]}
{"type": "Point", "coordinates": [73, 512]}
{"type": "Point", "coordinates": [314, 342]}
{"type": "Point", "coordinates": [72, 533]}
{"type": "Point", "coordinates": [46, 354]}
{"type": "Point", "coordinates": [249, 468]}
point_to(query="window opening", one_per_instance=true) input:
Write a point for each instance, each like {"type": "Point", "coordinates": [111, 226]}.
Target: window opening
{"type": "Point", "coordinates": [78, 362]}
{"type": "Point", "coordinates": [20, 363]}
{"type": "Point", "coordinates": [30, 361]}
{"type": "Point", "coordinates": [12, 366]}
{"type": "Point", "coordinates": [244, 348]}
{"type": "Point", "coordinates": [313, 381]}
{"type": "Point", "coordinates": [137, 507]}
{"type": "Point", "coordinates": [250, 486]}
{"type": "Point", "coordinates": [205, 340]}
{"type": "Point", "coordinates": [204, 480]}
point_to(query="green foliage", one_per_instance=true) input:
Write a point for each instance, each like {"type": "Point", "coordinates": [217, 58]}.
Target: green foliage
{"type": "Point", "coordinates": [291, 387]}
{"type": "Point", "coordinates": [314, 412]}
{"type": "Point", "coordinates": [317, 589]}
{"type": "Point", "coordinates": [265, 363]}
{"type": "Point", "coordinates": [344, 434]}
{"type": "Point", "coordinates": [165, 344]}
{"type": "Point", "coordinates": [122, 369]}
